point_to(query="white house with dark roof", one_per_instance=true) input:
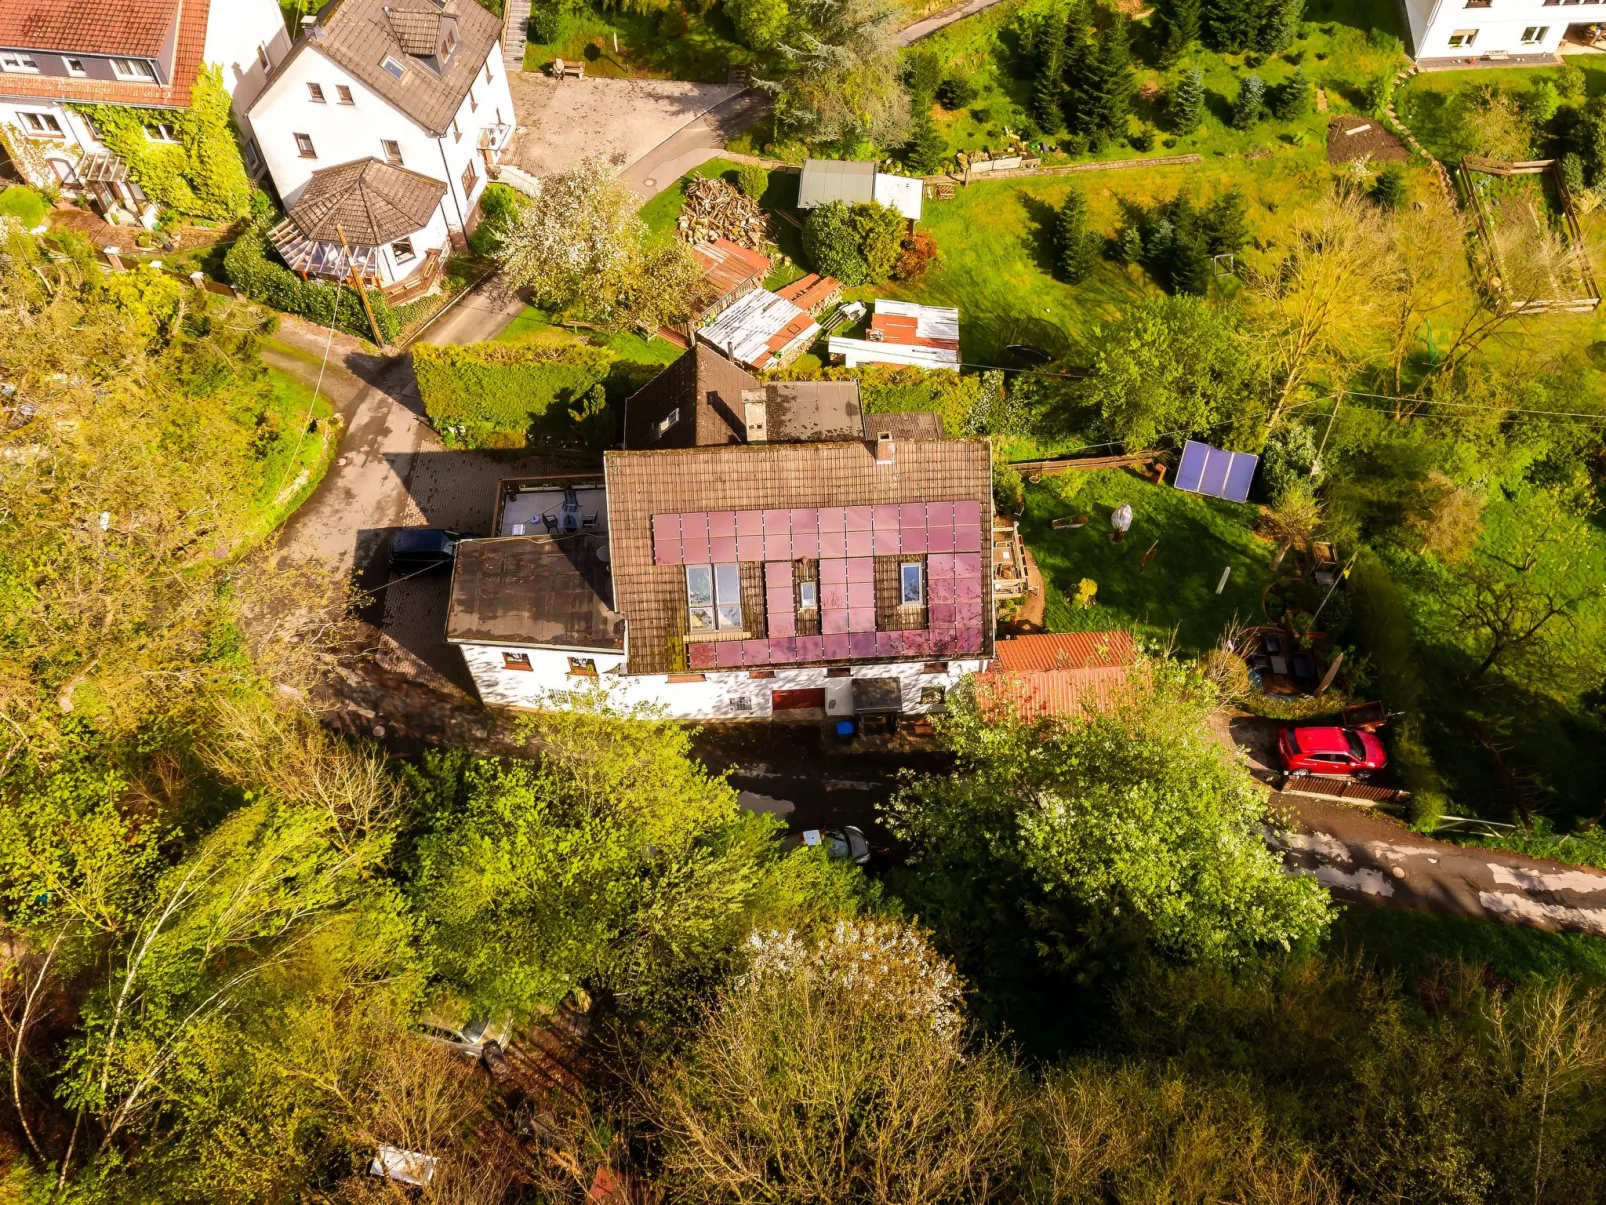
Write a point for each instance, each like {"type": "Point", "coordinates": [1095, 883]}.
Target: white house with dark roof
{"type": "Point", "coordinates": [417, 85]}
{"type": "Point", "coordinates": [145, 54]}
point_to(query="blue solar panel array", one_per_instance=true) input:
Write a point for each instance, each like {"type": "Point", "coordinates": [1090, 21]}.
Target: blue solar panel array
{"type": "Point", "coordinates": [1207, 470]}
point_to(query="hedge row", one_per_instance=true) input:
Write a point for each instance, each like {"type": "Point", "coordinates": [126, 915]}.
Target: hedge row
{"type": "Point", "coordinates": [252, 272]}
{"type": "Point", "coordinates": [492, 394]}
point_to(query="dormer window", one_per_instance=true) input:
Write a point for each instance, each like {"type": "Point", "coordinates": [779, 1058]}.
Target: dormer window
{"type": "Point", "coordinates": [15, 60]}
{"type": "Point", "coordinates": [134, 69]}
{"type": "Point", "coordinates": [662, 426]}
{"type": "Point", "coordinates": [393, 66]}
{"type": "Point", "coordinates": [448, 43]}
{"type": "Point", "coordinates": [75, 67]}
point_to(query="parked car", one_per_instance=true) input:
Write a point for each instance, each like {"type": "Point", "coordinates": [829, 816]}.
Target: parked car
{"type": "Point", "coordinates": [415, 548]}
{"type": "Point", "coordinates": [476, 1037]}
{"type": "Point", "coordinates": [1339, 751]}
{"type": "Point", "coordinates": [847, 843]}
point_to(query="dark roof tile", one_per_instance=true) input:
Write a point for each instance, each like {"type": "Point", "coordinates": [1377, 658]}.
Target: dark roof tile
{"type": "Point", "coordinates": [372, 203]}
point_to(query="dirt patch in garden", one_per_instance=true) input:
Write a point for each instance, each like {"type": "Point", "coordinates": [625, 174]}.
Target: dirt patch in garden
{"type": "Point", "coordinates": [1350, 137]}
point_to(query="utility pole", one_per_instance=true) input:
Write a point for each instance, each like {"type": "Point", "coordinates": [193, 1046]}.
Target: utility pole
{"type": "Point", "coordinates": [356, 283]}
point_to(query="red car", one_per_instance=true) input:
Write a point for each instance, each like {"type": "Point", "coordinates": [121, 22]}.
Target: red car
{"type": "Point", "coordinates": [1342, 751]}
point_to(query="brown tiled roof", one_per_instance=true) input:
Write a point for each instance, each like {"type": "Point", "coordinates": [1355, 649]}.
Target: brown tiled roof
{"type": "Point", "coordinates": [904, 424]}
{"type": "Point", "coordinates": [137, 28]}
{"type": "Point", "coordinates": [358, 34]}
{"type": "Point", "coordinates": [545, 591]}
{"type": "Point", "coordinates": [373, 203]}
{"type": "Point", "coordinates": [707, 390]}
{"type": "Point", "coordinates": [187, 57]}
{"type": "Point", "coordinates": [761, 476]}
{"type": "Point", "coordinates": [417, 31]}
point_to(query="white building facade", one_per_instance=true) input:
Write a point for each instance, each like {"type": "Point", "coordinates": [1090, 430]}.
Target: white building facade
{"type": "Point", "coordinates": [358, 86]}
{"type": "Point", "coordinates": [1445, 32]}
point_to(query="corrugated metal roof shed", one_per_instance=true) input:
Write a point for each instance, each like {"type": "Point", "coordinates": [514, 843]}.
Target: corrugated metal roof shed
{"type": "Point", "coordinates": [826, 180]}
{"type": "Point", "coordinates": [760, 330]}
{"type": "Point", "coordinates": [855, 352]}
{"type": "Point", "coordinates": [906, 194]}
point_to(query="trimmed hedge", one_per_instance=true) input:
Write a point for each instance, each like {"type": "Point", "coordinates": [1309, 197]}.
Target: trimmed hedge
{"type": "Point", "coordinates": [252, 272]}
{"type": "Point", "coordinates": [492, 394]}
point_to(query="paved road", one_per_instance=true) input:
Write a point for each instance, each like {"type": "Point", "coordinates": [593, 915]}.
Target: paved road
{"type": "Point", "coordinates": [697, 142]}
{"type": "Point", "coordinates": [931, 24]}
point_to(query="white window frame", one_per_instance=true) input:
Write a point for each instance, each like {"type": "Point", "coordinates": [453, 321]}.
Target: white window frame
{"type": "Point", "coordinates": [1533, 35]}
{"type": "Point", "coordinates": [470, 178]}
{"type": "Point", "coordinates": [75, 67]}
{"type": "Point", "coordinates": [134, 70]}
{"type": "Point", "coordinates": [1463, 39]}
{"type": "Point", "coordinates": [808, 596]}
{"type": "Point", "coordinates": [664, 425]}
{"type": "Point", "coordinates": [714, 598]}
{"type": "Point", "coordinates": [519, 662]}
{"type": "Point", "coordinates": [910, 573]}
{"type": "Point", "coordinates": [252, 154]}
{"type": "Point", "coordinates": [35, 124]}
{"type": "Point", "coordinates": [385, 145]}
{"type": "Point", "coordinates": [161, 131]}
{"type": "Point", "coordinates": [262, 57]}
{"type": "Point", "coordinates": [18, 62]}
{"type": "Point", "coordinates": [402, 251]}
{"type": "Point", "coordinates": [392, 66]}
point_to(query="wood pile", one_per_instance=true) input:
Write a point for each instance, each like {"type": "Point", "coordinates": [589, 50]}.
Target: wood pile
{"type": "Point", "coordinates": [715, 209]}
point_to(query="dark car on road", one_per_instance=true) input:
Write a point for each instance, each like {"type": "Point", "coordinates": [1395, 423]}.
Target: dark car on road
{"type": "Point", "coordinates": [415, 548]}
{"type": "Point", "coordinates": [1344, 752]}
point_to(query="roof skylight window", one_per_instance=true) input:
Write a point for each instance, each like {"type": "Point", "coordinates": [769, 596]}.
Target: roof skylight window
{"type": "Point", "coordinates": [394, 66]}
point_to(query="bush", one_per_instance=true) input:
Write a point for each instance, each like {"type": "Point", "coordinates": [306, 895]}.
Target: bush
{"type": "Point", "coordinates": [1376, 92]}
{"type": "Point", "coordinates": [1388, 190]}
{"type": "Point", "coordinates": [919, 249]}
{"type": "Point", "coordinates": [1143, 140]}
{"type": "Point", "coordinates": [956, 92]}
{"type": "Point", "coordinates": [857, 244]}
{"type": "Point", "coordinates": [496, 203]}
{"type": "Point", "coordinates": [922, 74]}
{"type": "Point", "coordinates": [261, 279]}
{"type": "Point", "coordinates": [491, 394]}
{"type": "Point", "coordinates": [546, 24]}
{"type": "Point", "coordinates": [27, 206]}
{"type": "Point", "coordinates": [752, 179]}
{"type": "Point", "coordinates": [1289, 455]}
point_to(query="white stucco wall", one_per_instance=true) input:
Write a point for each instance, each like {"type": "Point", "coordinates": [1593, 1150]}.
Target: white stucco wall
{"type": "Point", "coordinates": [1500, 27]}
{"type": "Point", "coordinates": [343, 133]}
{"type": "Point", "coordinates": [708, 696]}
{"type": "Point", "coordinates": [236, 30]}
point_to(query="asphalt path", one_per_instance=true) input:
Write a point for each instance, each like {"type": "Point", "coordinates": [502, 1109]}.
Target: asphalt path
{"type": "Point", "coordinates": [696, 142]}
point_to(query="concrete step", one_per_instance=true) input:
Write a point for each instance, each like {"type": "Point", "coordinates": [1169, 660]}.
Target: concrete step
{"type": "Point", "coordinates": [515, 24]}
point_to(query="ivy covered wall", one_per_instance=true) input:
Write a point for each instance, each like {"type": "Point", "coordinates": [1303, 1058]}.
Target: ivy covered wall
{"type": "Point", "coordinates": [202, 174]}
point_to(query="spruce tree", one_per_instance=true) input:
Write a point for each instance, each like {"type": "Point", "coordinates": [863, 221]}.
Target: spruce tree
{"type": "Point", "coordinates": [926, 148]}
{"type": "Point", "coordinates": [1246, 109]}
{"type": "Point", "coordinates": [1177, 27]}
{"type": "Point", "coordinates": [1291, 98]}
{"type": "Point", "coordinates": [1232, 25]}
{"type": "Point", "coordinates": [1073, 63]}
{"type": "Point", "coordinates": [1048, 94]}
{"type": "Point", "coordinates": [1279, 25]}
{"type": "Point", "coordinates": [1076, 247]}
{"type": "Point", "coordinates": [1185, 106]}
{"type": "Point", "coordinates": [1107, 84]}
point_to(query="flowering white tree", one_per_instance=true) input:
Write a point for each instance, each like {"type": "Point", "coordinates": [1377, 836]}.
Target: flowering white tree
{"type": "Point", "coordinates": [581, 249]}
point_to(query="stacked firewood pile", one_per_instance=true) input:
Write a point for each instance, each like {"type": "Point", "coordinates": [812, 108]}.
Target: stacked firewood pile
{"type": "Point", "coordinates": [714, 209]}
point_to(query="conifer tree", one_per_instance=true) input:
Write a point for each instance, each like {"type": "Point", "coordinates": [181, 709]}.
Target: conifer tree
{"type": "Point", "coordinates": [1106, 99]}
{"type": "Point", "coordinates": [1185, 105]}
{"type": "Point", "coordinates": [1048, 94]}
{"type": "Point", "coordinates": [1246, 109]}
{"type": "Point", "coordinates": [926, 148]}
{"type": "Point", "coordinates": [1279, 25]}
{"type": "Point", "coordinates": [1232, 25]}
{"type": "Point", "coordinates": [1073, 63]}
{"type": "Point", "coordinates": [1177, 27]}
{"type": "Point", "coordinates": [1291, 98]}
{"type": "Point", "coordinates": [1076, 247]}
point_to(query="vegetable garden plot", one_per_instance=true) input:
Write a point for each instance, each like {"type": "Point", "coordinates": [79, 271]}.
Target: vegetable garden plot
{"type": "Point", "coordinates": [1529, 248]}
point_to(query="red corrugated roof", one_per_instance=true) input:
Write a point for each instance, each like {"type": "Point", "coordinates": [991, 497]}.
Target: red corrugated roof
{"type": "Point", "coordinates": [110, 27]}
{"type": "Point", "coordinates": [728, 266]}
{"type": "Point", "coordinates": [1064, 651]}
{"type": "Point", "coordinates": [895, 328]}
{"type": "Point", "coordinates": [811, 291]}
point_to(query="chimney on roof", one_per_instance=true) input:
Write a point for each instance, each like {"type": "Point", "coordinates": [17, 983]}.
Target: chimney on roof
{"type": "Point", "coordinates": [755, 416]}
{"type": "Point", "coordinates": [884, 448]}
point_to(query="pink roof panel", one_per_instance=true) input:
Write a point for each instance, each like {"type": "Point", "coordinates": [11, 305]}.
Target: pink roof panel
{"type": "Point", "coordinates": [833, 572]}
{"type": "Point", "coordinates": [805, 520]}
{"type": "Point", "coordinates": [862, 644]}
{"type": "Point", "coordinates": [940, 564]}
{"type": "Point", "coordinates": [784, 649]}
{"type": "Point", "coordinates": [755, 652]}
{"type": "Point", "coordinates": [861, 569]}
{"type": "Point", "coordinates": [861, 594]}
{"type": "Point", "coordinates": [810, 648]}
{"type": "Point", "coordinates": [912, 514]}
{"type": "Point", "coordinates": [836, 646]}
{"type": "Point", "coordinates": [833, 619]}
{"type": "Point", "coordinates": [940, 539]}
{"type": "Point", "coordinates": [833, 518]}
{"type": "Point", "coordinates": [968, 538]}
{"type": "Point", "coordinates": [886, 541]}
{"type": "Point", "coordinates": [694, 525]}
{"type": "Point", "coordinates": [862, 619]}
{"type": "Point", "coordinates": [721, 523]}
{"type": "Point", "coordinates": [834, 596]}
{"type": "Point", "coordinates": [860, 518]}
{"type": "Point", "coordinates": [967, 564]}
{"type": "Point", "coordinates": [728, 654]}
{"type": "Point", "coordinates": [939, 514]}
{"type": "Point", "coordinates": [886, 516]}
{"type": "Point", "coordinates": [782, 623]}
{"type": "Point", "coordinates": [722, 549]}
{"type": "Point", "coordinates": [696, 550]}
{"type": "Point", "coordinates": [701, 655]}
{"type": "Point", "coordinates": [942, 590]}
{"type": "Point", "coordinates": [968, 589]}
{"type": "Point", "coordinates": [916, 642]}
{"type": "Point", "coordinates": [749, 548]}
{"type": "Point", "coordinates": [861, 543]}
{"type": "Point", "coordinates": [888, 644]}
{"type": "Point", "coordinates": [941, 614]}
{"type": "Point", "coordinates": [967, 511]}
{"type": "Point", "coordinates": [913, 539]}
{"type": "Point", "coordinates": [749, 523]}
{"type": "Point", "coordinates": [832, 544]}
{"type": "Point", "coordinates": [778, 573]}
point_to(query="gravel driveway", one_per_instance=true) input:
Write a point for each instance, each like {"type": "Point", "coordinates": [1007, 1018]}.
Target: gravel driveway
{"type": "Point", "coordinates": [619, 119]}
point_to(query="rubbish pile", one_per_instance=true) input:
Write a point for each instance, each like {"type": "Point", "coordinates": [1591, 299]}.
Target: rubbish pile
{"type": "Point", "coordinates": [714, 210]}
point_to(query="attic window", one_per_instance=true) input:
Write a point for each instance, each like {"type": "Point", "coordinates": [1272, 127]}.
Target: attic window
{"type": "Point", "coordinates": [75, 66]}
{"type": "Point", "coordinates": [393, 66]}
{"type": "Point", "coordinates": [134, 69]}
{"type": "Point", "coordinates": [15, 60]}
{"type": "Point", "coordinates": [714, 598]}
{"type": "Point", "coordinates": [449, 44]}
{"type": "Point", "coordinates": [662, 426]}
{"type": "Point", "coordinates": [315, 94]}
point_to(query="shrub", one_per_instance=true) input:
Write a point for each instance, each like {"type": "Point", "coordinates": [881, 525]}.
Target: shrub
{"type": "Point", "coordinates": [1289, 456]}
{"type": "Point", "coordinates": [491, 394]}
{"type": "Point", "coordinates": [1388, 190]}
{"type": "Point", "coordinates": [251, 271]}
{"type": "Point", "coordinates": [880, 230]}
{"type": "Point", "coordinates": [1246, 109]}
{"type": "Point", "coordinates": [922, 74]}
{"type": "Point", "coordinates": [1291, 99]}
{"type": "Point", "coordinates": [28, 207]}
{"type": "Point", "coordinates": [1143, 140]}
{"type": "Point", "coordinates": [545, 25]}
{"type": "Point", "coordinates": [857, 243]}
{"type": "Point", "coordinates": [956, 92]}
{"type": "Point", "coordinates": [1376, 93]}
{"type": "Point", "coordinates": [927, 147]}
{"type": "Point", "coordinates": [919, 249]}
{"type": "Point", "coordinates": [496, 203]}
{"type": "Point", "coordinates": [752, 179]}
{"type": "Point", "coordinates": [1009, 491]}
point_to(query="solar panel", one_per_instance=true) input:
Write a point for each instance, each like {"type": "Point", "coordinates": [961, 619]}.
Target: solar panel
{"type": "Point", "coordinates": [967, 538]}
{"type": "Point", "coordinates": [860, 518]}
{"type": "Point", "coordinates": [833, 572]}
{"type": "Point", "coordinates": [810, 648]}
{"type": "Point", "coordinates": [721, 523]}
{"type": "Point", "coordinates": [861, 543]}
{"type": "Point", "coordinates": [885, 516]}
{"type": "Point", "coordinates": [722, 549]}
{"type": "Point", "coordinates": [750, 548]}
{"type": "Point", "coordinates": [861, 569]}
{"type": "Point", "coordinates": [782, 623]}
{"type": "Point", "coordinates": [967, 564]}
{"type": "Point", "coordinates": [834, 596]}
{"type": "Point", "coordinates": [940, 564]}
{"type": "Point", "coordinates": [749, 523]}
{"type": "Point", "coordinates": [888, 644]}
{"type": "Point", "coordinates": [833, 620]}
{"type": "Point", "coordinates": [835, 646]}
{"type": "Point", "coordinates": [861, 594]}
{"type": "Point", "coordinates": [912, 539]}
{"type": "Point", "coordinates": [701, 656]}
{"type": "Point", "coordinates": [862, 644]}
{"type": "Point", "coordinates": [728, 654]}
{"type": "Point", "coordinates": [1215, 473]}
{"type": "Point", "coordinates": [833, 518]}
{"type": "Point", "coordinates": [755, 652]}
{"type": "Point", "coordinates": [886, 541]}
{"type": "Point", "coordinates": [940, 539]}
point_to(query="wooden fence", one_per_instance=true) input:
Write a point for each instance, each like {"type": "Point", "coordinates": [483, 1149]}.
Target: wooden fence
{"type": "Point", "coordinates": [977, 170]}
{"type": "Point", "coordinates": [1345, 789]}
{"type": "Point", "coordinates": [1472, 165]}
{"type": "Point", "coordinates": [1048, 468]}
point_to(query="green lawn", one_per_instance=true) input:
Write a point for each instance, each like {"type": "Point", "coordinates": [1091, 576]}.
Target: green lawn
{"type": "Point", "coordinates": [1409, 942]}
{"type": "Point", "coordinates": [664, 43]}
{"type": "Point", "coordinates": [1440, 106]}
{"type": "Point", "coordinates": [296, 459]}
{"type": "Point", "coordinates": [1197, 538]}
{"type": "Point", "coordinates": [533, 324]}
